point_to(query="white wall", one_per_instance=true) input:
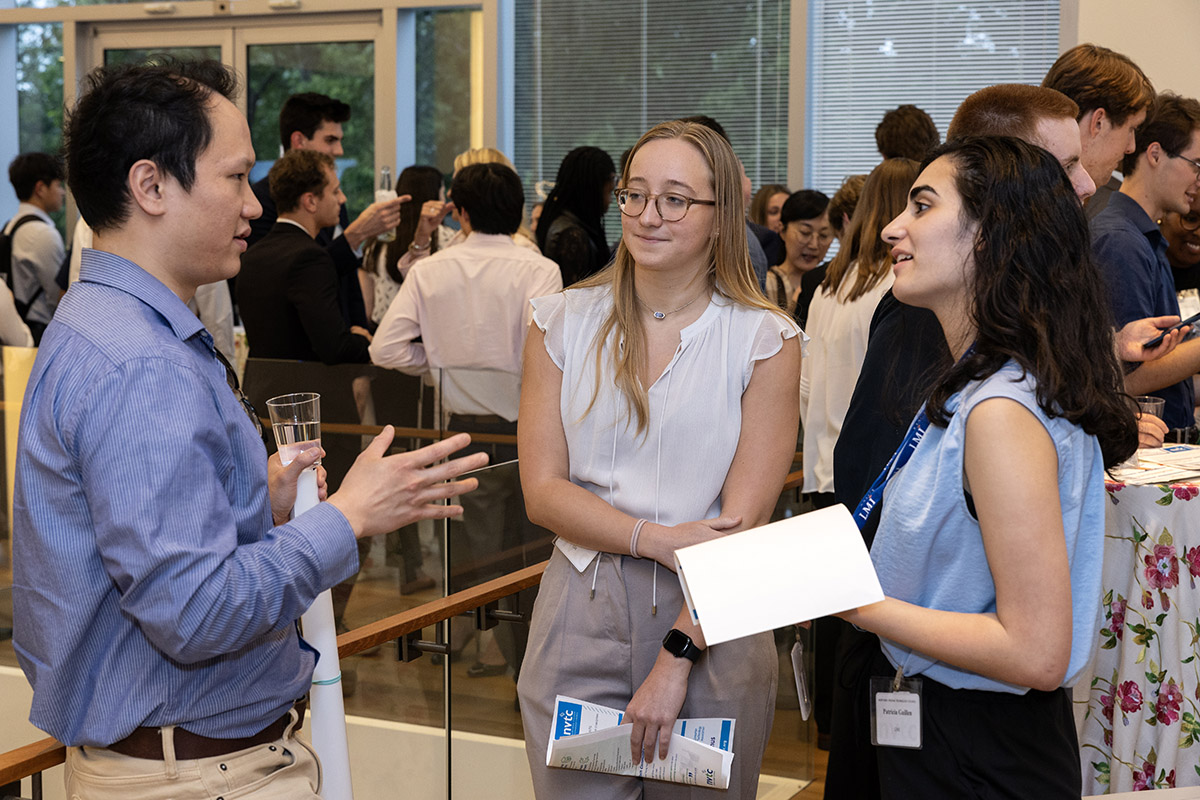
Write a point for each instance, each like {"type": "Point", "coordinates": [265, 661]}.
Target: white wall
{"type": "Point", "coordinates": [1161, 36]}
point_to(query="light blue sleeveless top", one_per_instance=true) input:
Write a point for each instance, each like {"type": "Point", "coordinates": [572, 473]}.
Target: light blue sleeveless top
{"type": "Point", "coordinates": [929, 549]}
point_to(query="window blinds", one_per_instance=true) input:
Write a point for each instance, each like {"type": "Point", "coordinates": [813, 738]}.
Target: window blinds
{"type": "Point", "coordinates": [601, 74]}
{"type": "Point", "coordinates": [866, 57]}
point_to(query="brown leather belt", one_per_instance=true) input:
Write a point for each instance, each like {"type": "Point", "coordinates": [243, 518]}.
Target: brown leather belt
{"type": "Point", "coordinates": [147, 742]}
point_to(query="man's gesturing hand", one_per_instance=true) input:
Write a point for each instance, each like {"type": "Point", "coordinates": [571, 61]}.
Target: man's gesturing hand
{"type": "Point", "coordinates": [382, 493]}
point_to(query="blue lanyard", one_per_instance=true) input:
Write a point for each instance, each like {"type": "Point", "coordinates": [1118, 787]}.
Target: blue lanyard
{"type": "Point", "coordinates": [916, 431]}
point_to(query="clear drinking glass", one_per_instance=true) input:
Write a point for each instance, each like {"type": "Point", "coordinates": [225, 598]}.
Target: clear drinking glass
{"type": "Point", "coordinates": [1150, 405]}
{"type": "Point", "coordinates": [296, 419]}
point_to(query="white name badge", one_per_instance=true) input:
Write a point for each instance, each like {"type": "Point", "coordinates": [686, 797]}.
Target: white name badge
{"type": "Point", "coordinates": [898, 719]}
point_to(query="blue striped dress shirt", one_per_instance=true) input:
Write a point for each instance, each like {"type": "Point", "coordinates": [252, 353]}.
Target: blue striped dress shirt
{"type": "Point", "coordinates": [149, 586]}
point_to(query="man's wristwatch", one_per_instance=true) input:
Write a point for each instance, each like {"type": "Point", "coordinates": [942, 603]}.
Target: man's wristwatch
{"type": "Point", "coordinates": [680, 645]}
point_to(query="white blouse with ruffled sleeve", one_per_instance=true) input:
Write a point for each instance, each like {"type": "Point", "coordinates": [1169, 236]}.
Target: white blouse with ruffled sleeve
{"type": "Point", "coordinates": [674, 470]}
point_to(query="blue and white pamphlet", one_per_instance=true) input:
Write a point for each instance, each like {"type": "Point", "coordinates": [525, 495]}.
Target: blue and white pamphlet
{"type": "Point", "coordinates": [591, 737]}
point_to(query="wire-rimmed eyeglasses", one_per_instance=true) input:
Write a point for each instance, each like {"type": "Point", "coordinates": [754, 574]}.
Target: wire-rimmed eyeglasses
{"type": "Point", "coordinates": [671, 206]}
{"type": "Point", "coordinates": [1195, 164]}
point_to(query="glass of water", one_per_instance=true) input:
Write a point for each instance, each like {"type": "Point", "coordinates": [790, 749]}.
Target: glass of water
{"type": "Point", "coordinates": [296, 419]}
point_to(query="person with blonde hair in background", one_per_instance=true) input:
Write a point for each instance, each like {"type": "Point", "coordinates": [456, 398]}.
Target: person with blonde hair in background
{"type": "Point", "coordinates": [668, 353]}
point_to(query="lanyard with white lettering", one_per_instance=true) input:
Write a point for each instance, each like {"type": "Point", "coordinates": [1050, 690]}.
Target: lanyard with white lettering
{"type": "Point", "coordinates": [899, 458]}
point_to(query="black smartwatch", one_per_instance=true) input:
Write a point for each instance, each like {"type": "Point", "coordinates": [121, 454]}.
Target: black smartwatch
{"type": "Point", "coordinates": [680, 645]}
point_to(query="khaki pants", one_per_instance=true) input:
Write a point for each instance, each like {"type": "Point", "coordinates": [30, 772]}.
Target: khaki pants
{"type": "Point", "coordinates": [283, 770]}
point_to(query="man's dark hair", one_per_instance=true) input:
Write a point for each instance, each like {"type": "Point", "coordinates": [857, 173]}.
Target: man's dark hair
{"type": "Point", "coordinates": [296, 173]}
{"type": "Point", "coordinates": [1170, 121]}
{"type": "Point", "coordinates": [492, 196]}
{"type": "Point", "coordinates": [305, 112]}
{"type": "Point", "coordinates": [132, 112]}
{"type": "Point", "coordinates": [708, 122]}
{"type": "Point", "coordinates": [28, 168]}
{"type": "Point", "coordinates": [906, 132]}
{"type": "Point", "coordinates": [1096, 77]}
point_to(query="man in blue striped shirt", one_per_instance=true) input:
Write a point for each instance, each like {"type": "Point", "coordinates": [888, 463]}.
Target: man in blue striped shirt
{"type": "Point", "coordinates": [157, 575]}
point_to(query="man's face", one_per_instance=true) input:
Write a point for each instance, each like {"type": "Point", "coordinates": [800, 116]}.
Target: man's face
{"type": "Point", "coordinates": [1103, 152]}
{"type": "Point", "coordinates": [1060, 135]}
{"type": "Point", "coordinates": [329, 202]}
{"type": "Point", "coordinates": [327, 138]}
{"type": "Point", "coordinates": [51, 196]}
{"type": "Point", "coordinates": [1178, 180]}
{"type": "Point", "coordinates": [205, 229]}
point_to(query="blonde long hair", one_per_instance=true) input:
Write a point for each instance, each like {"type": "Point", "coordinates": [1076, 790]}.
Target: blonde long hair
{"type": "Point", "coordinates": [730, 273]}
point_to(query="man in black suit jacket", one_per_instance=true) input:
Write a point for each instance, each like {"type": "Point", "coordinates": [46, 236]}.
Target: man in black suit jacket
{"type": "Point", "coordinates": [288, 285]}
{"type": "Point", "coordinates": [312, 121]}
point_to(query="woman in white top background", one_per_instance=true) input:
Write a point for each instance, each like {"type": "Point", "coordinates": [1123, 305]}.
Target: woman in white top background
{"type": "Point", "coordinates": [658, 410]}
{"type": "Point", "coordinates": [840, 318]}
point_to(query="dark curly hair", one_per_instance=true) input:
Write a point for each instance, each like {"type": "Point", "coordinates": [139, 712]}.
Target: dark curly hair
{"type": "Point", "coordinates": [127, 113]}
{"type": "Point", "coordinates": [578, 188]}
{"type": "Point", "coordinates": [1038, 298]}
{"type": "Point", "coordinates": [906, 132]}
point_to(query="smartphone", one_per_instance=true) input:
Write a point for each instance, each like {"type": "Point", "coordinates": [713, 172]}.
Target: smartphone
{"type": "Point", "coordinates": [801, 680]}
{"type": "Point", "coordinates": [1157, 340]}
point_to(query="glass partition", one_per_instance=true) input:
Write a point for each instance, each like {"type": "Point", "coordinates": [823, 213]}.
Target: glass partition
{"type": "Point", "coordinates": [434, 727]}
{"type": "Point", "coordinates": [443, 89]}
{"type": "Point", "coordinates": [342, 70]}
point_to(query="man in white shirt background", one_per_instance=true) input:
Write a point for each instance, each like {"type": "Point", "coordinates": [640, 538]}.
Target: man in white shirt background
{"type": "Point", "coordinates": [462, 315]}
{"type": "Point", "coordinates": [37, 246]}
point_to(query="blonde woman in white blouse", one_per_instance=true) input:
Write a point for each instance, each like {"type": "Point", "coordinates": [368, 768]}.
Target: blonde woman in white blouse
{"type": "Point", "coordinates": [658, 410]}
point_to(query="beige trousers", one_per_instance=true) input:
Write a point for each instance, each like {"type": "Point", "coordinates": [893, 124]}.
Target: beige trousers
{"type": "Point", "coordinates": [601, 649]}
{"type": "Point", "coordinates": [286, 769]}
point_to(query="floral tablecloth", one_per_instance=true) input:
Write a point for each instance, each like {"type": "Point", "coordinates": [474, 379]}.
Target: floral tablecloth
{"type": "Point", "coordinates": [1142, 722]}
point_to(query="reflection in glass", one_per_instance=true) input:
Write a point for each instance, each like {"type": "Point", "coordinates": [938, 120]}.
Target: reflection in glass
{"type": "Point", "coordinates": [443, 83]}
{"type": "Point", "coordinates": [142, 55]}
{"type": "Point", "coordinates": [342, 70]}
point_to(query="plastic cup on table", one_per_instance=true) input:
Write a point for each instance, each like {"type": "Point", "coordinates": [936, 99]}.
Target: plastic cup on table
{"type": "Point", "coordinates": [1150, 405]}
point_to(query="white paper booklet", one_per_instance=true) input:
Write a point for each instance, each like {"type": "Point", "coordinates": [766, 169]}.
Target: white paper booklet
{"type": "Point", "coordinates": [591, 737]}
{"type": "Point", "coordinates": [779, 574]}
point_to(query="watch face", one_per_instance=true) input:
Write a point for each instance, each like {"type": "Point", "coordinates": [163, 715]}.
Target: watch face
{"type": "Point", "coordinates": [680, 645]}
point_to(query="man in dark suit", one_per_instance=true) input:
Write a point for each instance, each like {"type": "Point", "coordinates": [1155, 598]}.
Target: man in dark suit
{"type": "Point", "coordinates": [288, 286]}
{"type": "Point", "coordinates": [312, 121]}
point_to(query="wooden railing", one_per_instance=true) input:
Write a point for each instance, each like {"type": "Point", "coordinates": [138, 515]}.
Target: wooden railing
{"type": "Point", "coordinates": [34, 758]}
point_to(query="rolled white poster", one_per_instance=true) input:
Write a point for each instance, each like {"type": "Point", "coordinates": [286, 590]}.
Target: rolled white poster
{"type": "Point", "coordinates": [328, 720]}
